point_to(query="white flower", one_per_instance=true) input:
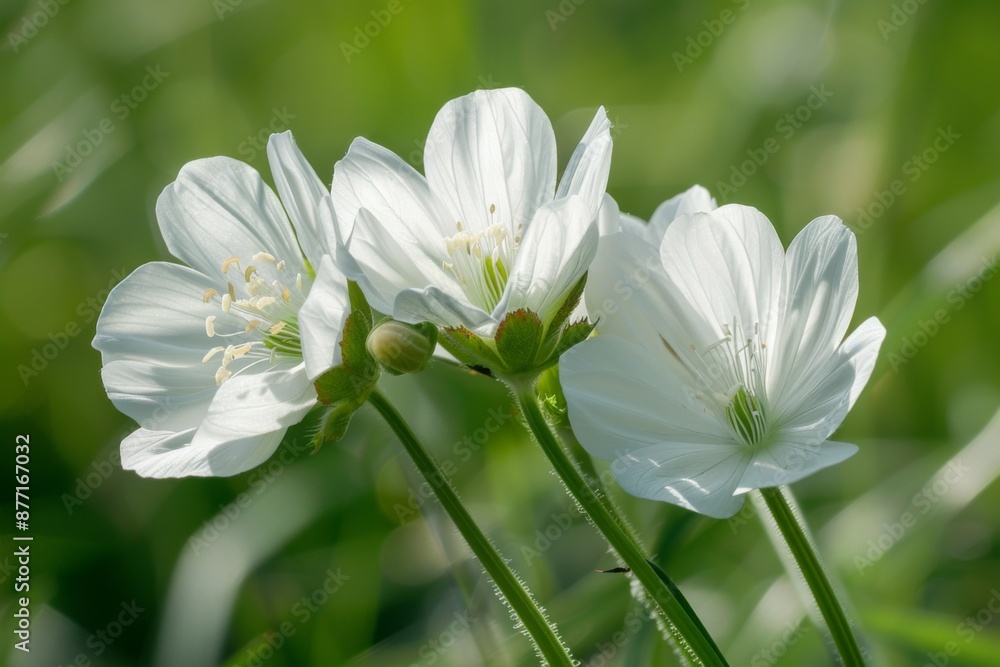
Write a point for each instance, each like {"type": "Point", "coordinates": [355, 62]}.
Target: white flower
{"type": "Point", "coordinates": [719, 367]}
{"type": "Point", "coordinates": [695, 199]}
{"type": "Point", "coordinates": [486, 232]}
{"type": "Point", "coordinates": [610, 220]}
{"type": "Point", "coordinates": [209, 359]}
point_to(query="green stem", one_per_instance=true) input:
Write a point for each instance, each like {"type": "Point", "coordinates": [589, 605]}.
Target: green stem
{"type": "Point", "coordinates": [795, 534]}
{"type": "Point", "coordinates": [547, 641]}
{"type": "Point", "coordinates": [688, 633]}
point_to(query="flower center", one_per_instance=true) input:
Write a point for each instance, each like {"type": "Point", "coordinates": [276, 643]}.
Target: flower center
{"type": "Point", "coordinates": [481, 261]}
{"type": "Point", "coordinates": [269, 309]}
{"type": "Point", "coordinates": [731, 378]}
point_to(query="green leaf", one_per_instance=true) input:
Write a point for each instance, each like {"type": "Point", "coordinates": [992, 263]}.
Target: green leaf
{"type": "Point", "coordinates": [518, 338]}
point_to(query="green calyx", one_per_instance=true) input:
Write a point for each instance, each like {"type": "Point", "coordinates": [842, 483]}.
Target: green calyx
{"type": "Point", "coordinates": [344, 389]}
{"type": "Point", "coordinates": [524, 345]}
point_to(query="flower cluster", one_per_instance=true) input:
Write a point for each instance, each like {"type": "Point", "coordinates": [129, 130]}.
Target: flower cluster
{"type": "Point", "coordinates": [694, 352]}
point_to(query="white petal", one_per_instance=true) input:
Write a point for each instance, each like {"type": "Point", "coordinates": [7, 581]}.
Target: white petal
{"type": "Point", "coordinates": [608, 222]}
{"type": "Point", "coordinates": [695, 199]}
{"type": "Point", "coordinates": [638, 227]}
{"type": "Point", "coordinates": [158, 396]}
{"type": "Point", "coordinates": [861, 351]}
{"type": "Point", "coordinates": [696, 477]}
{"type": "Point", "coordinates": [820, 288]}
{"type": "Point", "coordinates": [787, 462]}
{"type": "Point", "coordinates": [620, 396]}
{"type": "Point", "coordinates": [338, 245]}
{"type": "Point", "coordinates": [491, 148]}
{"type": "Point", "coordinates": [626, 406]}
{"type": "Point", "coordinates": [587, 171]}
{"type": "Point", "coordinates": [374, 178]}
{"type": "Point", "coordinates": [609, 216]}
{"type": "Point", "coordinates": [220, 208]}
{"type": "Point", "coordinates": [157, 314]}
{"type": "Point", "coordinates": [726, 264]}
{"type": "Point", "coordinates": [433, 305]}
{"type": "Point", "coordinates": [253, 405]}
{"type": "Point", "coordinates": [392, 258]}
{"type": "Point", "coordinates": [626, 271]}
{"type": "Point", "coordinates": [821, 399]}
{"type": "Point", "coordinates": [322, 319]}
{"type": "Point", "coordinates": [302, 193]}
{"type": "Point", "coordinates": [171, 454]}
{"type": "Point", "coordinates": [151, 335]}
{"type": "Point", "coordinates": [628, 295]}
{"type": "Point", "coordinates": [556, 250]}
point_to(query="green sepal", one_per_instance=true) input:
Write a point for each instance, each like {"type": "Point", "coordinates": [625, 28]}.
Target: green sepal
{"type": "Point", "coordinates": [357, 371]}
{"type": "Point", "coordinates": [341, 383]}
{"type": "Point", "coordinates": [573, 334]}
{"type": "Point", "coordinates": [358, 300]}
{"type": "Point", "coordinates": [568, 306]}
{"type": "Point", "coordinates": [518, 340]}
{"type": "Point", "coordinates": [346, 387]}
{"type": "Point", "coordinates": [335, 421]}
{"type": "Point", "coordinates": [469, 348]}
{"type": "Point", "coordinates": [555, 329]}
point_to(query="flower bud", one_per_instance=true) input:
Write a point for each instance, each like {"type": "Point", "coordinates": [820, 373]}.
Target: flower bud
{"type": "Point", "coordinates": [402, 348]}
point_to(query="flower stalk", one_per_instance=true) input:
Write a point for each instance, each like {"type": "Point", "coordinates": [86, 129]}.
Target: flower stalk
{"type": "Point", "coordinates": [787, 526]}
{"type": "Point", "coordinates": [686, 630]}
{"type": "Point", "coordinates": [541, 631]}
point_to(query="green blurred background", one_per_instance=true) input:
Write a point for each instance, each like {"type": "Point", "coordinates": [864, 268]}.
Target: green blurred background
{"type": "Point", "coordinates": [884, 113]}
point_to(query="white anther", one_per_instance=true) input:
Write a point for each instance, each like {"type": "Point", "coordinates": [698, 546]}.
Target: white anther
{"type": "Point", "coordinates": [242, 350]}
{"type": "Point", "coordinates": [211, 353]}
{"type": "Point", "coordinates": [222, 375]}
